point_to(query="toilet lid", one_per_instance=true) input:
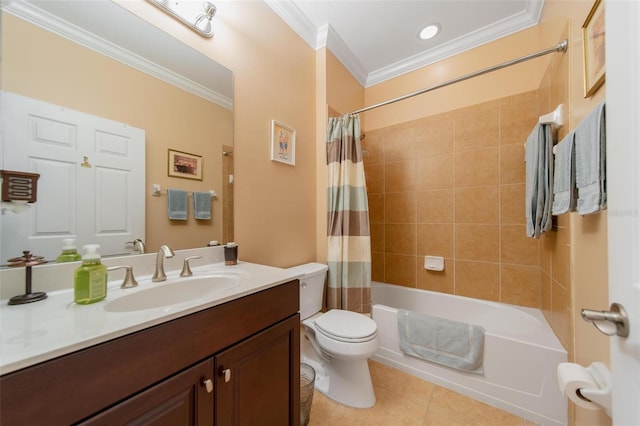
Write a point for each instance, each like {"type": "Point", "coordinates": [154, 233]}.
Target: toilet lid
{"type": "Point", "coordinates": [346, 326]}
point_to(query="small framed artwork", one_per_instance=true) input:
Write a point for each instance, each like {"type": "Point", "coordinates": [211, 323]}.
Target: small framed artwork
{"type": "Point", "coordinates": [593, 32]}
{"type": "Point", "coordinates": [185, 165]}
{"type": "Point", "coordinates": [283, 143]}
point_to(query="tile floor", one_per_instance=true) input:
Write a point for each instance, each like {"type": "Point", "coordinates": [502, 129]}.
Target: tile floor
{"type": "Point", "coordinates": [403, 399]}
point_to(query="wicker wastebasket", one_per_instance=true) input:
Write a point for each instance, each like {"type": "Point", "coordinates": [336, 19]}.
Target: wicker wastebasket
{"type": "Point", "coordinates": [307, 379]}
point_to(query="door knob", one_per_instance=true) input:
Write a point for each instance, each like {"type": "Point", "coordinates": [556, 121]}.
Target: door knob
{"type": "Point", "coordinates": [612, 322]}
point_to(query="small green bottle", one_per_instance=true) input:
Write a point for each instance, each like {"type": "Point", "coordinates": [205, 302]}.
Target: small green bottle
{"type": "Point", "coordinates": [69, 252]}
{"type": "Point", "coordinates": [90, 278]}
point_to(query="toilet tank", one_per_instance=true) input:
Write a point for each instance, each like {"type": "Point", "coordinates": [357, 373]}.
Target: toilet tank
{"type": "Point", "coordinates": [311, 287]}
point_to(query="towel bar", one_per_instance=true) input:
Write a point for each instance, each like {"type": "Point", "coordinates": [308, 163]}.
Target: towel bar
{"type": "Point", "coordinates": [156, 191]}
{"type": "Point", "coordinates": [555, 117]}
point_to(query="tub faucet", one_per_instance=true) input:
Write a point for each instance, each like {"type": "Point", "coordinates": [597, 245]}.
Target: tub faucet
{"type": "Point", "coordinates": [159, 275]}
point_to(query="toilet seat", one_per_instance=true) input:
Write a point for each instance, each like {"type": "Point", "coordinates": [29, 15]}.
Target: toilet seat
{"type": "Point", "coordinates": [346, 326]}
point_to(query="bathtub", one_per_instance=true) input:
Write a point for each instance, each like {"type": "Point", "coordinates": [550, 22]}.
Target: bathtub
{"type": "Point", "coordinates": [521, 351]}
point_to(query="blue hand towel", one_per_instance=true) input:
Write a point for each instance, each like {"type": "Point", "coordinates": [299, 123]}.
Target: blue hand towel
{"type": "Point", "coordinates": [177, 204]}
{"type": "Point", "coordinates": [451, 343]}
{"type": "Point", "coordinates": [539, 178]}
{"type": "Point", "coordinates": [590, 148]}
{"type": "Point", "coordinates": [202, 205]}
{"type": "Point", "coordinates": [564, 177]}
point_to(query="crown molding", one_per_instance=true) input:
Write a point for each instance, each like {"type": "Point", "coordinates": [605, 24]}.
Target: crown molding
{"type": "Point", "coordinates": [84, 38]}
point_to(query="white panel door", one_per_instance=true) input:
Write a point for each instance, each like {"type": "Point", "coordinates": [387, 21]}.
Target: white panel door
{"type": "Point", "coordinates": [117, 164]}
{"type": "Point", "coordinates": [91, 184]}
{"type": "Point", "coordinates": [623, 186]}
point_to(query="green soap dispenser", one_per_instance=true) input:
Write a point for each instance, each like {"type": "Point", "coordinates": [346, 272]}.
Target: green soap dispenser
{"type": "Point", "coordinates": [69, 252]}
{"type": "Point", "coordinates": [90, 278]}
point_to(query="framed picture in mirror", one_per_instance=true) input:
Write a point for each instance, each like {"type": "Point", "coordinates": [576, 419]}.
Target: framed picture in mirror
{"type": "Point", "coordinates": [283, 143]}
{"type": "Point", "coordinates": [184, 165]}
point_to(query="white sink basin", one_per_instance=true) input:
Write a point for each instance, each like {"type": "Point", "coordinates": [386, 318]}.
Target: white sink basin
{"type": "Point", "coordinates": [173, 293]}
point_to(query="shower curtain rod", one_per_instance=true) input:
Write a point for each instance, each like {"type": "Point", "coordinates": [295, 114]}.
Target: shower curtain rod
{"type": "Point", "coordinates": [560, 47]}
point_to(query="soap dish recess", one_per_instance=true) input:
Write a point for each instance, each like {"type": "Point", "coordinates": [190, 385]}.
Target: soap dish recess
{"type": "Point", "coordinates": [434, 263]}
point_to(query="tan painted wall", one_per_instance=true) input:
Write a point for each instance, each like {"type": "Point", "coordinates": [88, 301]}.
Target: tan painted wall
{"type": "Point", "coordinates": [321, 155]}
{"type": "Point", "coordinates": [344, 92]}
{"type": "Point", "coordinates": [58, 71]}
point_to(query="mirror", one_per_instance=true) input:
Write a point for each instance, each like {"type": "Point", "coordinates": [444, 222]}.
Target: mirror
{"type": "Point", "coordinates": [101, 59]}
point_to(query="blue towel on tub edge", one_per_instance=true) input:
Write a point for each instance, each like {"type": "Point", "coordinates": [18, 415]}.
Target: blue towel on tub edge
{"type": "Point", "coordinates": [450, 343]}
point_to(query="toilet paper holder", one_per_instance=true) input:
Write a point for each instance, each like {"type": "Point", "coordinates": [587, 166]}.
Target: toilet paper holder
{"type": "Point", "coordinates": [601, 396]}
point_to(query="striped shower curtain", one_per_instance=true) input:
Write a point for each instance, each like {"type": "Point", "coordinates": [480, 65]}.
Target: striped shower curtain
{"type": "Point", "coordinates": [349, 241]}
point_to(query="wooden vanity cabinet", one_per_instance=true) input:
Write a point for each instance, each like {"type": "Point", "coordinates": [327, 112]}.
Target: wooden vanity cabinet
{"type": "Point", "coordinates": [179, 400]}
{"type": "Point", "coordinates": [253, 376]}
{"type": "Point", "coordinates": [248, 348]}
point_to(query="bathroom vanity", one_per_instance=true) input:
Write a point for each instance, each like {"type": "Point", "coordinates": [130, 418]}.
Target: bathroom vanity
{"type": "Point", "coordinates": [234, 362]}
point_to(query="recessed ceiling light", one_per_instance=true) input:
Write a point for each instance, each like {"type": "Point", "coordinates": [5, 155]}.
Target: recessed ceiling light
{"type": "Point", "coordinates": [430, 31]}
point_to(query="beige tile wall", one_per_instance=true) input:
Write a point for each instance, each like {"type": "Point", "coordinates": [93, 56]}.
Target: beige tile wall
{"type": "Point", "coordinates": [555, 248]}
{"type": "Point", "coordinates": [452, 185]}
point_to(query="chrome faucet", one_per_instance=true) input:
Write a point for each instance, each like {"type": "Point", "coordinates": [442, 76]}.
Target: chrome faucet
{"type": "Point", "coordinates": [159, 275]}
{"type": "Point", "coordinates": [129, 280]}
{"type": "Point", "coordinates": [138, 245]}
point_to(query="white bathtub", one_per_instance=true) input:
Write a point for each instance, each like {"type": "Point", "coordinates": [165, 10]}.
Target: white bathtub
{"type": "Point", "coordinates": [521, 351]}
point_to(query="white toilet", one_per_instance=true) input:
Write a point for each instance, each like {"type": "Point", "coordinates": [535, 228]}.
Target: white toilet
{"type": "Point", "coordinates": [336, 344]}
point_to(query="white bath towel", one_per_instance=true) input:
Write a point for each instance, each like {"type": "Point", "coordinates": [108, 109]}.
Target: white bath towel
{"type": "Point", "coordinates": [538, 181]}
{"type": "Point", "coordinates": [451, 343]}
{"type": "Point", "coordinates": [590, 146]}
{"type": "Point", "coordinates": [177, 204]}
{"type": "Point", "coordinates": [564, 177]}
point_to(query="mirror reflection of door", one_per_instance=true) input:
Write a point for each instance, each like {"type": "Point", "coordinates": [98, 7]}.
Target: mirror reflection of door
{"type": "Point", "coordinates": [227, 193]}
{"type": "Point", "coordinates": [91, 185]}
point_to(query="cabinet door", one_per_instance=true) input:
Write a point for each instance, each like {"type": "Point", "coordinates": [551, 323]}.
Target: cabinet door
{"type": "Point", "coordinates": [184, 399]}
{"type": "Point", "coordinates": [258, 380]}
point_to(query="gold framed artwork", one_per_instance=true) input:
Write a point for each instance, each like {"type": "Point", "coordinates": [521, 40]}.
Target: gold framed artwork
{"type": "Point", "coordinates": [184, 165]}
{"type": "Point", "coordinates": [593, 36]}
{"type": "Point", "coordinates": [283, 143]}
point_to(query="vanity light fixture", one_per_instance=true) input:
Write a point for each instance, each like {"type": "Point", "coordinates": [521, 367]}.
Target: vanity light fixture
{"type": "Point", "coordinates": [429, 32]}
{"type": "Point", "coordinates": [194, 14]}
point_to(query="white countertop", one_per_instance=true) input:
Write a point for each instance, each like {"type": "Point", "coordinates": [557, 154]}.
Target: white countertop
{"type": "Point", "coordinates": [43, 330]}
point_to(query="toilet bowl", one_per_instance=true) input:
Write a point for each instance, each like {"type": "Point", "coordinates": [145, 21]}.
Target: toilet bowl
{"type": "Point", "coordinates": [336, 343]}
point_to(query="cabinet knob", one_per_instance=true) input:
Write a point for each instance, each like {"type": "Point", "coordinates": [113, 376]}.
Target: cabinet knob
{"type": "Point", "coordinates": [208, 384]}
{"type": "Point", "coordinates": [226, 373]}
